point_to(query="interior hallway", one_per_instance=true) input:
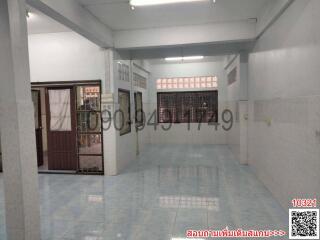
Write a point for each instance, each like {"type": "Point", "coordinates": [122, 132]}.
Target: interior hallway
{"type": "Point", "coordinates": [172, 189]}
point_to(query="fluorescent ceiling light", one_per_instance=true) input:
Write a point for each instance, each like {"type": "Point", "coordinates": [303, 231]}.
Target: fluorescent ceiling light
{"type": "Point", "coordinates": [157, 2]}
{"type": "Point", "coordinates": [170, 59]}
{"type": "Point", "coordinates": [192, 58]}
{"type": "Point", "coordinates": [189, 58]}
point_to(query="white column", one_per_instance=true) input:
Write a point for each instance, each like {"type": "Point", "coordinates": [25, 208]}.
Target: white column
{"type": "Point", "coordinates": [17, 125]}
{"type": "Point", "coordinates": [108, 104]}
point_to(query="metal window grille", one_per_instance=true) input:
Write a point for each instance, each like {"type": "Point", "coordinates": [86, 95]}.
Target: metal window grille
{"type": "Point", "coordinates": [184, 107]}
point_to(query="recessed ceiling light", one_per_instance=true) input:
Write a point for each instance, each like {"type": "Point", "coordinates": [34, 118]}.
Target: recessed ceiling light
{"type": "Point", "coordinates": [157, 2]}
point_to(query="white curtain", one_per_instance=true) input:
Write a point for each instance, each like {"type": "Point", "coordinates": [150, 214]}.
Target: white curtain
{"type": "Point", "coordinates": [60, 114]}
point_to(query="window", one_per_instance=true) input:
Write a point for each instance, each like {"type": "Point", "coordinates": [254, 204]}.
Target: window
{"type": "Point", "coordinates": [123, 72]}
{"type": "Point", "coordinates": [184, 107]}
{"type": "Point", "coordinates": [60, 113]}
{"type": "Point", "coordinates": [187, 83]}
{"type": "Point", "coordinates": [124, 124]}
{"type": "Point", "coordinates": [139, 109]}
{"type": "Point", "coordinates": [232, 76]}
{"type": "Point", "coordinates": [139, 81]}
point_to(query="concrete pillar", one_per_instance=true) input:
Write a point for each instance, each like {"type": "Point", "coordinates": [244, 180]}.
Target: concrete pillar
{"type": "Point", "coordinates": [17, 125]}
{"type": "Point", "coordinates": [108, 105]}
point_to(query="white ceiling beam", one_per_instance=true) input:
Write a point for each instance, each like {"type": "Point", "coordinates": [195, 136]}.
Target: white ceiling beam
{"type": "Point", "coordinates": [181, 35]}
{"type": "Point", "coordinates": [270, 13]}
{"type": "Point", "coordinates": [77, 18]}
{"type": "Point", "coordinates": [215, 49]}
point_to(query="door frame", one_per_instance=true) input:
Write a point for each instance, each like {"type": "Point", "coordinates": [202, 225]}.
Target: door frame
{"type": "Point", "coordinates": [39, 153]}
{"type": "Point", "coordinates": [138, 124]}
{"type": "Point", "coordinates": [128, 92]}
{"type": "Point", "coordinates": [73, 85]}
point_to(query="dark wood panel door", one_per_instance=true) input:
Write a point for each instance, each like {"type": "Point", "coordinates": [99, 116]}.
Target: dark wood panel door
{"type": "Point", "coordinates": [38, 125]}
{"type": "Point", "coordinates": [61, 128]}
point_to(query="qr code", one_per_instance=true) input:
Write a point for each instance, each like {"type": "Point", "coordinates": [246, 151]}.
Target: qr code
{"type": "Point", "coordinates": [304, 224]}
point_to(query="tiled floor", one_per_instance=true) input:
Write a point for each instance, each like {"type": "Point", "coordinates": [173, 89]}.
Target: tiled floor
{"type": "Point", "coordinates": [168, 190]}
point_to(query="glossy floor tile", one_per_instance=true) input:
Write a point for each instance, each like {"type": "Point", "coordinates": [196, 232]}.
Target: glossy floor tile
{"type": "Point", "coordinates": [168, 190]}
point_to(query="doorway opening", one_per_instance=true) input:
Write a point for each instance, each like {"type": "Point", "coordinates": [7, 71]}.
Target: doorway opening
{"type": "Point", "coordinates": [68, 127]}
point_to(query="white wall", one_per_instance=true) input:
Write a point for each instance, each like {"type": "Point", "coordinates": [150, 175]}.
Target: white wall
{"type": "Point", "coordinates": [127, 144]}
{"type": "Point", "coordinates": [269, 13]}
{"type": "Point", "coordinates": [233, 97]}
{"type": "Point", "coordinates": [67, 56]}
{"type": "Point", "coordinates": [237, 96]}
{"type": "Point", "coordinates": [284, 94]}
{"type": "Point", "coordinates": [64, 56]}
{"type": "Point", "coordinates": [178, 133]}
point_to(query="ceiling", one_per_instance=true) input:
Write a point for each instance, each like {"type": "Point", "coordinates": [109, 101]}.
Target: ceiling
{"type": "Point", "coordinates": [41, 23]}
{"type": "Point", "coordinates": [118, 15]}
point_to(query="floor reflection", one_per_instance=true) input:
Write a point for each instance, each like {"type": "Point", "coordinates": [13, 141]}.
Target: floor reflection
{"type": "Point", "coordinates": [211, 204]}
{"type": "Point", "coordinates": [95, 198]}
{"type": "Point", "coordinates": [169, 190]}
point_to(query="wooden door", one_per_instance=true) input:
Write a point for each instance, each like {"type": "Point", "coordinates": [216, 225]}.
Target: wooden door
{"type": "Point", "coordinates": [61, 128]}
{"type": "Point", "coordinates": [38, 125]}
